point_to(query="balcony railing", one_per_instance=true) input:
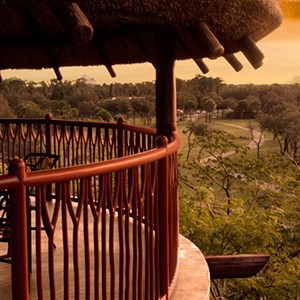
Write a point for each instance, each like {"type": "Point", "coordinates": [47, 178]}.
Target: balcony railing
{"type": "Point", "coordinates": [111, 229]}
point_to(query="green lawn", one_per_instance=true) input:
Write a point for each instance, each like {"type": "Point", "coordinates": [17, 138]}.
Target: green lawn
{"type": "Point", "coordinates": [242, 136]}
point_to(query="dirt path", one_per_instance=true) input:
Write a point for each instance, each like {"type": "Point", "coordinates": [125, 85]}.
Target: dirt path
{"type": "Point", "coordinates": [253, 144]}
{"type": "Point", "coordinates": [256, 134]}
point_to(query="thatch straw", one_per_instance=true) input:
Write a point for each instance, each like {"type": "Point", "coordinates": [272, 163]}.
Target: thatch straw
{"type": "Point", "coordinates": [35, 34]}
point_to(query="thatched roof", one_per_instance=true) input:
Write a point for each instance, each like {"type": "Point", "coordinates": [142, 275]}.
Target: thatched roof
{"type": "Point", "coordinates": [38, 34]}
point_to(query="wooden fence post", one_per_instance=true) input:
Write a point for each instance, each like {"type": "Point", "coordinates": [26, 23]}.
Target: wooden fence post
{"type": "Point", "coordinates": [19, 243]}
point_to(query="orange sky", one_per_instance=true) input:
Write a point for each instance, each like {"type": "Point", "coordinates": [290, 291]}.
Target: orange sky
{"type": "Point", "coordinates": [281, 63]}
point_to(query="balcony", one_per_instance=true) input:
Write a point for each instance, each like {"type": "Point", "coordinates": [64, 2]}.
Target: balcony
{"type": "Point", "coordinates": [109, 208]}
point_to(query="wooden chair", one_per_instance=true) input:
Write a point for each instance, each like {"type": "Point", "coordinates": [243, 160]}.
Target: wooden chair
{"type": "Point", "coordinates": [40, 161]}
{"type": "Point", "coordinates": [34, 162]}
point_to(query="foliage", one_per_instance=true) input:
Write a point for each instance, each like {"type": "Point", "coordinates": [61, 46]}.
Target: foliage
{"type": "Point", "coordinates": [30, 110]}
{"type": "Point", "coordinates": [234, 204]}
{"type": "Point", "coordinates": [144, 108]}
{"type": "Point", "coordinates": [63, 109]}
{"type": "Point", "coordinates": [209, 105]}
{"type": "Point", "coordinates": [282, 119]}
{"type": "Point", "coordinates": [103, 115]}
{"type": "Point", "coordinates": [6, 111]}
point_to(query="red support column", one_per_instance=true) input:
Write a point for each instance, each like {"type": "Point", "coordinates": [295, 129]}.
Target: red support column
{"type": "Point", "coordinates": [19, 266]}
{"type": "Point", "coordinates": [163, 219]}
{"type": "Point", "coordinates": [165, 124]}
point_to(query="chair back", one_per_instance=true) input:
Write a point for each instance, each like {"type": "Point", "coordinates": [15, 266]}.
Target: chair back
{"type": "Point", "coordinates": [40, 161]}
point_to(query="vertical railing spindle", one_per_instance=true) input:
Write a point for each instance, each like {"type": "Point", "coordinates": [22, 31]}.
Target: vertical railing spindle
{"type": "Point", "coordinates": [48, 133]}
{"type": "Point", "coordinates": [19, 266]}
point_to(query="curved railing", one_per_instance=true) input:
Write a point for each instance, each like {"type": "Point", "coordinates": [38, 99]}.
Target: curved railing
{"type": "Point", "coordinates": [76, 142]}
{"type": "Point", "coordinates": [119, 238]}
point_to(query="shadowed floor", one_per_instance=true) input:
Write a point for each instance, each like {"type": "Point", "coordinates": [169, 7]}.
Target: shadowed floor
{"type": "Point", "coordinates": [85, 285]}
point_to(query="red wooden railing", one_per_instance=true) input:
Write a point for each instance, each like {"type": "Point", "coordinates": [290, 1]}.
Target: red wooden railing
{"type": "Point", "coordinates": [119, 239]}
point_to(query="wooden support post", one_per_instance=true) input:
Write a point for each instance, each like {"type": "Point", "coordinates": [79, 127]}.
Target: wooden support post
{"type": "Point", "coordinates": [19, 248]}
{"type": "Point", "coordinates": [165, 83]}
{"type": "Point", "coordinates": [0, 77]}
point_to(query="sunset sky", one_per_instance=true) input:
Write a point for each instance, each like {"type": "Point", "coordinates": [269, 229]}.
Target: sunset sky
{"type": "Point", "coordinates": [281, 63]}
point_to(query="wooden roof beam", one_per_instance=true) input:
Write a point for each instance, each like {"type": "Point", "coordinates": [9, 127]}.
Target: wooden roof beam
{"type": "Point", "coordinates": [202, 66]}
{"type": "Point", "coordinates": [111, 71]}
{"type": "Point", "coordinates": [106, 61]}
{"type": "Point", "coordinates": [185, 41]}
{"type": "Point", "coordinates": [44, 21]}
{"type": "Point", "coordinates": [251, 51]}
{"type": "Point", "coordinates": [76, 22]}
{"type": "Point", "coordinates": [145, 50]}
{"type": "Point", "coordinates": [234, 62]}
{"type": "Point", "coordinates": [209, 40]}
{"type": "Point", "coordinates": [57, 73]}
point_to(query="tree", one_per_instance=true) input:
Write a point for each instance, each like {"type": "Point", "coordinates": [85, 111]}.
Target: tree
{"type": "Point", "coordinates": [242, 107]}
{"type": "Point", "coordinates": [103, 115]}
{"type": "Point", "coordinates": [117, 106]}
{"type": "Point", "coordinates": [257, 211]}
{"type": "Point", "coordinates": [201, 85]}
{"type": "Point", "coordinates": [86, 108]}
{"type": "Point", "coordinates": [40, 99]}
{"type": "Point", "coordinates": [6, 111]}
{"type": "Point", "coordinates": [254, 104]}
{"type": "Point", "coordinates": [63, 109]}
{"type": "Point", "coordinates": [30, 110]}
{"type": "Point", "coordinates": [144, 108]}
{"type": "Point", "coordinates": [257, 137]}
{"type": "Point", "coordinates": [190, 107]}
{"type": "Point", "coordinates": [59, 90]}
{"type": "Point", "coordinates": [284, 123]}
{"type": "Point", "coordinates": [193, 132]}
{"type": "Point", "coordinates": [14, 90]}
{"type": "Point", "coordinates": [209, 105]}
{"type": "Point", "coordinates": [183, 98]}
{"type": "Point", "coordinates": [221, 104]}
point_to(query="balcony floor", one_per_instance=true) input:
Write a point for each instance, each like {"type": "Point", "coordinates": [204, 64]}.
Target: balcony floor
{"type": "Point", "coordinates": [5, 269]}
{"type": "Point", "coordinates": [192, 281]}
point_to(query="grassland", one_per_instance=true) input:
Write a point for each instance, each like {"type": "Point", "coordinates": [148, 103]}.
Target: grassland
{"type": "Point", "coordinates": [242, 135]}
